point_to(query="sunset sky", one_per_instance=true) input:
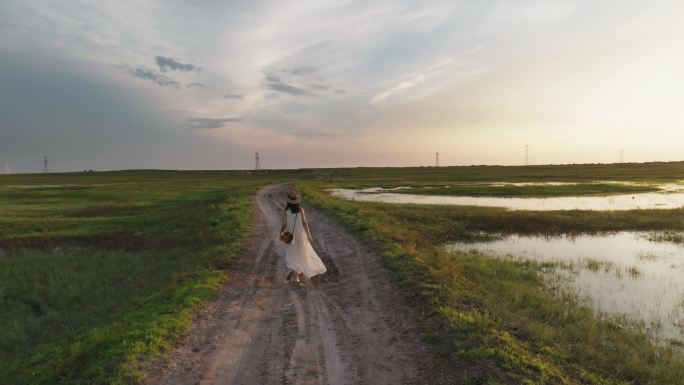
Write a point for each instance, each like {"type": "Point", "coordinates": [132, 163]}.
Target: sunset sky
{"type": "Point", "coordinates": [204, 84]}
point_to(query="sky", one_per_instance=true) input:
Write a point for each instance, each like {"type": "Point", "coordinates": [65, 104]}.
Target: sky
{"type": "Point", "coordinates": [204, 84]}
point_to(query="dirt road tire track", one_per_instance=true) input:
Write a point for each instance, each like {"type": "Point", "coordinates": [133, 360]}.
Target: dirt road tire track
{"type": "Point", "coordinates": [348, 326]}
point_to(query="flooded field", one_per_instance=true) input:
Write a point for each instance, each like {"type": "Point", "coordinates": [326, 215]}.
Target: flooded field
{"type": "Point", "coordinates": [625, 274]}
{"type": "Point", "coordinates": [670, 197]}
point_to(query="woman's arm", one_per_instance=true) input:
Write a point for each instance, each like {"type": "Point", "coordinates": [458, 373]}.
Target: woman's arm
{"type": "Point", "coordinates": [306, 225]}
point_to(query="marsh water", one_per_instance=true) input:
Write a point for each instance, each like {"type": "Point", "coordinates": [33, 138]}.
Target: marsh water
{"type": "Point", "coordinates": [624, 273]}
{"type": "Point", "coordinates": [670, 197]}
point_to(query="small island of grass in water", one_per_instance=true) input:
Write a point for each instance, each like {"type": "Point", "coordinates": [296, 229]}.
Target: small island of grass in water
{"type": "Point", "coordinates": [529, 197]}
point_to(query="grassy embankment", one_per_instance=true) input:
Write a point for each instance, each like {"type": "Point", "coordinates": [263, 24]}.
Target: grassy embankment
{"type": "Point", "coordinates": [100, 270]}
{"type": "Point", "coordinates": [656, 172]}
{"type": "Point", "coordinates": [578, 179]}
{"type": "Point", "coordinates": [493, 317]}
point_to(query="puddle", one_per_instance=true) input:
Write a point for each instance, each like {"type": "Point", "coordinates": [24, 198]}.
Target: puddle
{"type": "Point", "coordinates": [623, 273]}
{"type": "Point", "coordinates": [671, 197]}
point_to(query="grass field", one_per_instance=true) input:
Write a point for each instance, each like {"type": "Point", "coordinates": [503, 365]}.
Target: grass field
{"type": "Point", "coordinates": [99, 271]}
{"type": "Point", "coordinates": [494, 317]}
{"type": "Point", "coordinates": [656, 172]}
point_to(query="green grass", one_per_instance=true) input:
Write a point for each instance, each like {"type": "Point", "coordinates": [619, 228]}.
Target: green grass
{"type": "Point", "coordinates": [654, 172]}
{"type": "Point", "coordinates": [95, 276]}
{"type": "Point", "coordinates": [100, 271]}
{"type": "Point", "coordinates": [495, 319]}
{"type": "Point", "coordinates": [442, 223]}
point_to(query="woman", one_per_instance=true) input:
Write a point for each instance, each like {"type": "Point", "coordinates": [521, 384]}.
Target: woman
{"type": "Point", "coordinates": [300, 257]}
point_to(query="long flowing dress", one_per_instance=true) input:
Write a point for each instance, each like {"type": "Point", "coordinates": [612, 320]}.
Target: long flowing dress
{"type": "Point", "coordinates": [300, 256]}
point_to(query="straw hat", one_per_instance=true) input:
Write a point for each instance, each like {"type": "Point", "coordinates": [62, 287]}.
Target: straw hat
{"type": "Point", "coordinates": [293, 197]}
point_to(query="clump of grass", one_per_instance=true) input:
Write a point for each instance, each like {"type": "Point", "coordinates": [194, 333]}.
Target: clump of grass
{"type": "Point", "coordinates": [667, 236]}
{"type": "Point", "coordinates": [593, 265]}
{"type": "Point", "coordinates": [650, 257]}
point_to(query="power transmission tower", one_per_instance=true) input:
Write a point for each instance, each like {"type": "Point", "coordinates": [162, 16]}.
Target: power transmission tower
{"type": "Point", "coordinates": [257, 164]}
{"type": "Point", "coordinates": [622, 155]}
{"type": "Point", "coordinates": [8, 170]}
{"type": "Point", "coordinates": [45, 165]}
{"type": "Point", "coordinates": [437, 159]}
{"type": "Point", "coordinates": [527, 155]}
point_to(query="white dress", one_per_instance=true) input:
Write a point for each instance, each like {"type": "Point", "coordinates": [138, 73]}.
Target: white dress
{"type": "Point", "coordinates": [300, 256]}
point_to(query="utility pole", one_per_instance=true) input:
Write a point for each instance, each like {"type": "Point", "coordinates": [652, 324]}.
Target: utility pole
{"type": "Point", "coordinates": [257, 163]}
{"type": "Point", "coordinates": [622, 155]}
{"type": "Point", "coordinates": [527, 155]}
{"type": "Point", "coordinates": [45, 165]}
{"type": "Point", "coordinates": [437, 159]}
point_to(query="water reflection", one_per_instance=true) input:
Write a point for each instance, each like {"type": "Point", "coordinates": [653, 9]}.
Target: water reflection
{"type": "Point", "coordinates": [669, 199]}
{"type": "Point", "coordinates": [623, 273]}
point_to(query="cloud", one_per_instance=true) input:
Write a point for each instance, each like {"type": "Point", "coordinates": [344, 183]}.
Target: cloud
{"type": "Point", "coordinates": [319, 86]}
{"type": "Point", "coordinates": [302, 70]}
{"type": "Point", "coordinates": [233, 96]}
{"type": "Point", "coordinates": [167, 63]}
{"type": "Point", "coordinates": [210, 123]}
{"type": "Point", "coordinates": [514, 14]}
{"type": "Point", "coordinates": [549, 12]}
{"type": "Point", "coordinates": [346, 45]}
{"type": "Point", "coordinates": [401, 86]}
{"type": "Point", "coordinates": [274, 83]}
{"type": "Point", "coordinates": [445, 73]}
{"type": "Point", "coordinates": [148, 74]}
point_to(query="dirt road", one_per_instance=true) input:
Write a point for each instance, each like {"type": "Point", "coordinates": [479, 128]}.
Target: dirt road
{"type": "Point", "coordinates": [348, 326]}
